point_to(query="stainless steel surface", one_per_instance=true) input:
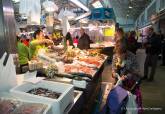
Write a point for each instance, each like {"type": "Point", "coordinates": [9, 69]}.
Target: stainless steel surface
{"type": "Point", "coordinates": [7, 30]}
{"type": "Point", "coordinates": [2, 39]}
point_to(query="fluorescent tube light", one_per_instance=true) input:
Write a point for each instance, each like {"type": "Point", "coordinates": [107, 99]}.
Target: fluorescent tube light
{"type": "Point", "coordinates": [83, 15]}
{"type": "Point", "coordinates": [50, 6]}
{"type": "Point", "coordinates": [97, 4]}
{"type": "Point", "coordinates": [130, 7]}
{"type": "Point", "coordinates": [79, 4]}
{"type": "Point", "coordinates": [16, 1]}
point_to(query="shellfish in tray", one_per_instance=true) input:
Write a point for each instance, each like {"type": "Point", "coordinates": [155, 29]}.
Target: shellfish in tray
{"type": "Point", "coordinates": [68, 59]}
{"type": "Point", "coordinates": [79, 69]}
{"type": "Point", "coordinates": [30, 109]}
{"type": "Point", "coordinates": [51, 71]}
{"type": "Point", "coordinates": [44, 93]}
{"type": "Point", "coordinates": [94, 52]}
{"type": "Point", "coordinates": [7, 106]}
{"type": "Point", "coordinates": [11, 106]}
{"type": "Point", "coordinates": [91, 60]}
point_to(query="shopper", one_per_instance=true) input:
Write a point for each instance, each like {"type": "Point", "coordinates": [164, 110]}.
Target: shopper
{"type": "Point", "coordinates": [125, 68]}
{"type": "Point", "coordinates": [120, 36]}
{"type": "Point", "coordinates": [153, 49]}
{"type": "Point", "coordinates": [38, 42]}
{"type": "Point", "coordinates": [68, 41]}
{"type": "Point", "coordinates": [124, 61]}
{"type": "Point", "coordinates": [84, 40]}
{"type": "Point", "coordinates": [163, 48]}
{"type": "Point", "coordinates": [163, 53]}
{"type": "Point", "coordinates": [23, 53]}
{"type": "Point", "coordinates": [132, 42]}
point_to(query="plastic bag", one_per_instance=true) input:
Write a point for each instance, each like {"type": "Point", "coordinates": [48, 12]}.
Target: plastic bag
{"type": "Point", "coordinates": [131, 104]}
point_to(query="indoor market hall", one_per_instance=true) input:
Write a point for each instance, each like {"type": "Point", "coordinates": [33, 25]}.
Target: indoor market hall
{"type": "Point", "coordinates": [82, 56]}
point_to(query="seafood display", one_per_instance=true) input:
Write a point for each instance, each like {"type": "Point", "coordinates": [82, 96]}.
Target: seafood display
{"type": "Point", "coordinates": [75, 61]}
{"type": "Point", "coordinates": [94, 52]}
{"type": "Point", "coordinates": [35, 64]}
{"type": "Point", "coordinates": [30, 109]}
{"type": "Point", "coordinates": [67, 59]}
{"type": "Point", "coordinates": [44, 93]}
{"type": "Point", "coordinates": [78, 69]}
{"type": "Point", "coordinates": [8, 106]}
{"type": "Point", "coordinates": [51, 71]}
{"type": "Point", "coordinates": [55, 94]}
{"type": "Point", "coordinates": [70, 53]}
{"type": "Point", "coordinates": [91, 60]}
{"type": "Point", "coordinates": [103, 44]}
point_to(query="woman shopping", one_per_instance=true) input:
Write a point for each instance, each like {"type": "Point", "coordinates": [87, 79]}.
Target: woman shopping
{"type": "Point", "coordinates": [125, 70]}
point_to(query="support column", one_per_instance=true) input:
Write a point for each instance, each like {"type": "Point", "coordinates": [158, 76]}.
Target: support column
{"type": "Point", "coordinates": [7, 27]}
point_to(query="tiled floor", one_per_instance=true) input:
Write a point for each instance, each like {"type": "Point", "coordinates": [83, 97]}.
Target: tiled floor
{"type": "Point", "coordinates": [153, 93]}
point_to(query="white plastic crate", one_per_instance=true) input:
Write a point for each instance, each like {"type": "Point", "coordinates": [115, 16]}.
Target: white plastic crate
{"type": "Point", "coordinates": [79, 93]}
{"type": "Point", "coordinates": [8, 96]}
{"type": "Point", "coordinates": [59, 105]}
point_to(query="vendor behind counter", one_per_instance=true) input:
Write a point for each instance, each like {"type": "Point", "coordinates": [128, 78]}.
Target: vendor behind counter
{"type": "Point", "coordinates": [84, 40]}
{"type": "Point", "coordinates": [68, 41]}
{"type": "Point", "coordinates": [37, 43]}
{"type": "Point", "coordinates": [23, 52]}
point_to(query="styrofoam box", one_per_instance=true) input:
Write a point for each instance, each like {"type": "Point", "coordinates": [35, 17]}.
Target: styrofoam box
{"type": "Point", "coordinates": [58, 105]}
{"type": "Point", "coordinates": [7, 96]}
{"type": "Point", "coordinates": [75, 100]}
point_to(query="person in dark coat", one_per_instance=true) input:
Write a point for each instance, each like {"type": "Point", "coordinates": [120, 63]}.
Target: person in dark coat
{"type": "Point", "coordinates": [153, 49]}
{"type": "Point", "coordinates": [163, 47]}
{"type": "Point", "coordinates": [84, 40]}
{"type": "Point", "coordinates": [68, 41]}
{"type": "Point", "coordinates": [132, 42]}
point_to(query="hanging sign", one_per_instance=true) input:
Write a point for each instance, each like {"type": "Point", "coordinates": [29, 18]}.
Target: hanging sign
{"type": "Point", "coordinates": [102, 14]}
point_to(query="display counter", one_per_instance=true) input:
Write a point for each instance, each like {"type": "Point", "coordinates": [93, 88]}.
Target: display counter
{"type": "Point", "coordinates": [70, 63]}
{"type": "Point", "coordinates": [86, 65]}
{"type": "Point", "coordinates": [106, 48]}
{"type": "Point", "coordinates": [81, 69]}
{"type": "Point", "coordinates": [103, 44]}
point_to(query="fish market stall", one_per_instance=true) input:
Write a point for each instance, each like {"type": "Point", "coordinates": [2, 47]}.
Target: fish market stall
{"type": "Point", "coordinates": [82, 68]}
{"type": "Point", "coordinates": [68, 81]}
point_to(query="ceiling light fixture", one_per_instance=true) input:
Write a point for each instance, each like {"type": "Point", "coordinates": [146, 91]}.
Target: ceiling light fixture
{"type": "Point", "coordinates": [97, 4]}
{"type": "Point", "coordinates": [83, 15]}
{"type": "Point", "coordinates": [81, 5]}
{"type": "Point", "coordinates": [50, 6]}
{"type": "Point", "coordinates": [16, 1]}
{"type": "Point", "coordinates": [130, 7]}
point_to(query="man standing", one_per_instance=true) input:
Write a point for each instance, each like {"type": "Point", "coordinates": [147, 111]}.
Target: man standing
{"type": "Point", "coordinates": [84, 40]}
{"type": "Point", "coordinates": [163, 47]}
{"type": "Point", "coordinates": [153, 49]}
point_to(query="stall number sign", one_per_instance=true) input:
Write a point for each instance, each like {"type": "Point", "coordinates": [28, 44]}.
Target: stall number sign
{"type": "Point", "coordinates": [107, 14]}
{"type": "Point", "coordinates": [97, 14]}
